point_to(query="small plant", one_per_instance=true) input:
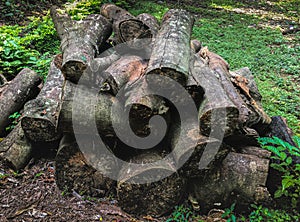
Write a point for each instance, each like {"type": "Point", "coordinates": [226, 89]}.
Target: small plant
{"type": "Point", "coordinates": [283, 153]}
{"type": "Point", "coordinates": [181, 214]}
{"type": "Point", "coordinates": [229, 214]}
{"type": "Point", "coordinates": [15, 119]}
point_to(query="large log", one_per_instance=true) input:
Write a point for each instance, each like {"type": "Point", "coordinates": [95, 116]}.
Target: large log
{"type": "Point", "coordinates": [84, 173]}
{"type": "Point", "coordinates": [171, 50]}
{"type": "Point", "coordinates": [217, 113]}
{"type": "Point", "coordinates": [244, 81]}
{"type": "Point", "coordinates": [221, 70]}
{"type": "Point", "coordinates": [15, 149]}
{"type": "Point", "coordinates": [127, 28]}
{"type": "Point", "coordinates": [79, 41]}
{"type": "Point", "coordinates": [14, 94]}
{"type": "Point", "coordinates": [88, 111]}
{"type": "Point", "coordinates": [241, 178]}
{"type": "Point", "coordinates": [40, 118]}
{"type": "Point", "coordinates": [148, 186]}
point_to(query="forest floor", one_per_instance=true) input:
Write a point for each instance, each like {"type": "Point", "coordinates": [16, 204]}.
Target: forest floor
{"type": "Point", "coordinates": [32, 195]}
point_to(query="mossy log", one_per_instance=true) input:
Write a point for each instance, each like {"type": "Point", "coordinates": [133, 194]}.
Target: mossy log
{"type": "Point", "coordinates": [127, 28]}
{"type": "Point", "coordinates": [149, 187]}
{"type": "Point", "coordinates": [40, 118]}
{"type": "Point", "coordinates": [80, 41]}
{"type": "Point", "coordinates": [217, 113]}
{"type": "Point", "coordinates": [87, 110]}
{"type": "Point", "coordinates": [171, 48]}
{"type": "Point", "coordinates": [221, 70]}
{"type": "Point", "coordinates": [15, 93]}
{"type": "Point", "coordinates": [15, 149]}
{"type": "Point", "coordinates": [83, 173]}
{"type": "Point", "coordinates": [241, 178]}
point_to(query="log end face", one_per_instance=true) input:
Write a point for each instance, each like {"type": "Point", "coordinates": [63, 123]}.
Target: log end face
{"type": "Point", "coordinates": [73, 70]}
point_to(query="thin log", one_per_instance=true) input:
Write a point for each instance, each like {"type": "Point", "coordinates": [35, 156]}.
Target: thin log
{"type": "Point", "coordinates": [171, 49]}
{"type": "Point", "coordinates": [244, 81]}
{"type": "Point", "coordinates": [75, 172]}
{"type": "Point", "coordinates": [16, 93]}
{"type": "Point", "coordinates": [15, 149]}
{"type": "Point", "coordinates": [217, 112]}
{"type": "Point", "coordinates": [40, 118]}
{"type": "Point", "coordinates": [79, 41]}
{"type": "Point", "coordinates": [127, 68]}
{"type": "Point", "coordinates": [127, 28]}
{"type": "Point", "coordinates": [221, 69]}
{"type": "Point", "coordinates": [241, 179]}
{"type": "Point", "coordinates": [87, 110]}
{"type": "Point", "coordinates": [162, 188]}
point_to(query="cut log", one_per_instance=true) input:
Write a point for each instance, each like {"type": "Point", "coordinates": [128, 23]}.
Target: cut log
{"type": "Point", "coordinates": [221, 69]}
{"type": "Point", "coordinates": [195, 154]}
{"type": "Point", "coordinates": [244, 81]}
{"type": "Point", "coordinates": [151, 22]}
{"type": "Point", "coordinates": [40, 118]}
{"type": "Point", "coordinates": [87, 110]}
{"type": "Point", "coordinates": [127, 28]}
{"type": "Point", "coordinates": [127, 68]}
{"type": "Point", "coordinates": [241, 178]}
{"type": "Point", "coordinates": [15, 149]}
{"type": "Point", "coordinates": [79, 41]}
{"type": "Point", "coordinates": [171, 50]}
{"type": "Point", "coordinates": [217, 113]}
{"type": "Point", "coordinates": [74, 172]}
{"type": "Point", "coordinates": [149, 186]}
{"type": "Point", "coordinates": [196, 45]}
{"type": "Point", "coordinates": [14, 94]}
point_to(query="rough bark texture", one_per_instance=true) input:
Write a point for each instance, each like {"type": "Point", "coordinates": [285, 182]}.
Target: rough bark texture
{"type": "Point", "coordinates": [15, 149]}
{"type": "Point", "coordinates": [244, 81]}
{"type": "Point", "coordinates": [151, 22]}
{"type": "Point", "coordinates": [152, 198]}
{"type": "Point", "coordinates": [221, 116]}
{"type": "Point", "coordinates": [40, 118]}
{"type": "Point", "coordinates": [127, 28]}
{"type": "Point", "coordinates": [74, 172]}
{"type": "Point", "coordinates": [221, 69]}
{"type": "Point", "coordinates": [14, 94]}
{"type": "Point", "coordinates": [128, 68]}
{"type": "Point", "coordinates": [171, 49]}
{"type": "Point", "coordinates": [88, 112]}
{"type": "Point", "coordinates": [241, 177]}
{"type": "Point", "coordinates": [79, 41]}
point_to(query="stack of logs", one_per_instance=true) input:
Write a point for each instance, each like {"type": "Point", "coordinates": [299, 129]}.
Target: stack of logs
{"type": "Point", "coordinates": [93, 63]}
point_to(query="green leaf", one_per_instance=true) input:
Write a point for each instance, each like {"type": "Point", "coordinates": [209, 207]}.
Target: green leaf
{"type": "Point", "coordinates": [286, 183]}
{"type": "Point", "coordinates": [278, 193]}
{"type": "Point", "coordinates": [289, 160]}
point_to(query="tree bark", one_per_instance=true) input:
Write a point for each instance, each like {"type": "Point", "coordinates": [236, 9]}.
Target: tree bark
{"type": "Point", "coordinates": [241, 178]}
{"type": "Point", "coordinates": [171, 50]}
{"type": "Point", "coordinates": [40, 118]}
{"type": "Point", "coordinates": [14, 94]}
{"type": "Point", "coordinates": [127, 68]}
{"type": "Point", "coordinates": [127, 28]}
{"type": "Point", "coordinates": [196, 45]}
{"type": "Point", "coordinates": [79, 41]}
{"type": "Point", "coordinates": [244, 81]}
{"type": "Point", "coordinates": [15, 149]}
{"type": "Point", "coordinates": [74, 172]}
{"type": "Point", "coordinates": [217, 112]}
{"type": "Point", "coordinates": [90, 111]}
{"type": "Point", "coordinates": [149, 198]}
{"type": "Point", "coordinates": [221, 69]}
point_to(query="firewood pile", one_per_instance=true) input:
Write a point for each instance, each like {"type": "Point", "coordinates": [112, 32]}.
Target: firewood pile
{"type": "Point", "coordinates": [99, 101]}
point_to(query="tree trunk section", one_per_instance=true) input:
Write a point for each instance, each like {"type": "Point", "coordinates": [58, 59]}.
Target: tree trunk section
{"type": "Point", "coordinates": [40, 118]}
{"type": "Point", "coordinates": [79, 41]}
{"type": "Point", "coordinates": [15, 149]}
{"type": "Point", "coordinates": [88, 111]}
{"type": "Point", "coordinates": [241, 178]}
{"type": "Point", "coordinates": [14, 94]}
{"type": "Point", "coordinates": [217, 113]}
{"type": "Point", "coordinates": [75, 173]}
{"type": "Point", "coordinates": [171, 50]}
{"type": "Point", "coordinates": [150, 198]}
{"type": "Point", "coordinates": [127, 28]}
